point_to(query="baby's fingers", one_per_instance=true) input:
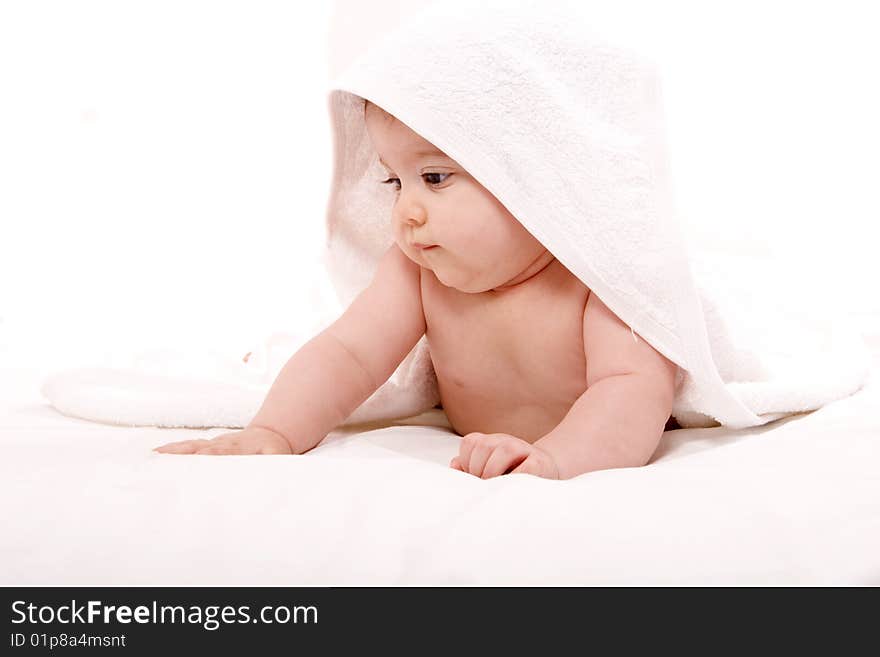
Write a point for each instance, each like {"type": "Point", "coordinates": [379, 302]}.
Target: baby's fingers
{"type": "Point", "coordinates": [228, 446]}
{"type": "Point", "coordinates": [504, 457]}
{"type": "Point", "coordinates": [218, 449]}
{"type": "Point", "coordinates": [182, 447]}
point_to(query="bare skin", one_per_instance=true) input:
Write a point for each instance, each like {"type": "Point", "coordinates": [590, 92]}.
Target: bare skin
{"type": "Point", "coordinates": [508, 361]}
{"type": "Point", "coordinates": [534, 372]}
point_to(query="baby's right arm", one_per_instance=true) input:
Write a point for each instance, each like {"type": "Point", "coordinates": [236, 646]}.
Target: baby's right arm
{"type": "Point", "coordinates": [334, 372]}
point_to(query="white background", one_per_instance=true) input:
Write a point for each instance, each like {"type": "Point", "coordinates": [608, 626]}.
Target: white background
{"type": "Point", "coordinates": [164, 166]}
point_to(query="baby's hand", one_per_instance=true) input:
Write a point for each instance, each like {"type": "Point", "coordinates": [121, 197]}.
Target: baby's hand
{"type": "Point", "coordinates": [491, 454]}
{"type": "Point", "coordinates": [252, 440]}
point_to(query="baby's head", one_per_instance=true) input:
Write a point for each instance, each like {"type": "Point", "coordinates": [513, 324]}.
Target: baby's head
{"type": "Point", "coordinates": [479, 245]}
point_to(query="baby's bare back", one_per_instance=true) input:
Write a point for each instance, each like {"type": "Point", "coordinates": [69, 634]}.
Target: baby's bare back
{"type": "Point", "coordinates": [508, 361]}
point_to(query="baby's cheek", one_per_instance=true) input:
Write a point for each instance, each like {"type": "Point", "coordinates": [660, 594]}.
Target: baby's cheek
{"type": "Point", "coordinates": [406, 248]}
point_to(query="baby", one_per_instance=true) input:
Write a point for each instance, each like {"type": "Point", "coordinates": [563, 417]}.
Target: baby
{"type": "Point", "coordinates": [533, 370]}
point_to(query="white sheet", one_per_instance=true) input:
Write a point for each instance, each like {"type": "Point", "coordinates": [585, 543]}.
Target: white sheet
{"type": "Point", "coordinates": [796, 501]}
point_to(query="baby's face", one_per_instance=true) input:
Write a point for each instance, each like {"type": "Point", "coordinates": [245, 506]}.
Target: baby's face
{"type": "Point", "coordinates": [480, 246]}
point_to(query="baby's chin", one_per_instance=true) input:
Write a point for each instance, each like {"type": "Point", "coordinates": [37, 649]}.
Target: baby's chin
{"type": "Point", "coordinates": [463, 279]}
{"type": "Point", "coordinates": [466, 282]}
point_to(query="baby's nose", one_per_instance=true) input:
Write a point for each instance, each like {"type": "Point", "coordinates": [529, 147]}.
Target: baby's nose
{"type": "Point", "coordinates": [411, 212]}
{"type": "Point", "coordinates": [415, 221]}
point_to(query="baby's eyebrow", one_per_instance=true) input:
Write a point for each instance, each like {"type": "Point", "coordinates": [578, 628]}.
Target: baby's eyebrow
{"type": "Point", "coordinates": [433, 151]}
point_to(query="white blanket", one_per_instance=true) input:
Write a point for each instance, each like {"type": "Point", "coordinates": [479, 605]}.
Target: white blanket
{"type": "Point", "coordinates": [794, 502]}
{"type": "Point", "coordinates": [566, 128]}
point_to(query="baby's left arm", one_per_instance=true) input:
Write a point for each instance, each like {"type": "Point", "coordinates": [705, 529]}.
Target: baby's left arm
{"type": "Point", "coordinates": [619, 419]}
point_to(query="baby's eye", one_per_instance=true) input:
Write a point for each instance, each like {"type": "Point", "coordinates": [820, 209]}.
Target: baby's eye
{"type": "Point", "coordinates": [436, 182]}
{"type": "Point", "coordinates": [396, 181]}
{"type": "Point", "coordinates": [429, 178]}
